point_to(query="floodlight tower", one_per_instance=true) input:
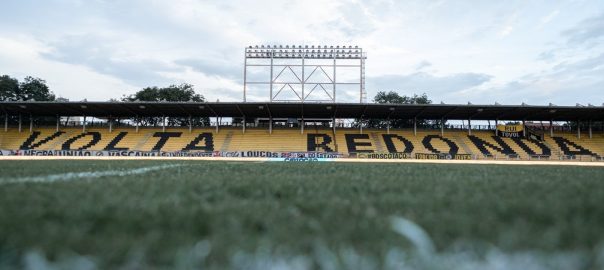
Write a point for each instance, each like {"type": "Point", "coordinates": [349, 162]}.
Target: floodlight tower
{"type": "Point", "coordinates": [306, 63]}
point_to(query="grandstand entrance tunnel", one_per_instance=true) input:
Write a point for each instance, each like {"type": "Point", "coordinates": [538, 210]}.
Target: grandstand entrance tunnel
{"type": "Point", "coordinates": [320, 135]}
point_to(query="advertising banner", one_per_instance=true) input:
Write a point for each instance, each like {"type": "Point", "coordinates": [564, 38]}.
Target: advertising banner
{"type": "Point", "coordinates": [87, 153]}
{"type": "Point", "coordinates": [510, 131]}
{"type": "Point", "coordinates": [443, 156]}
{"type": "Point", "coordinates": [413, 156]}
{"type": "Point", "coordinates": [385, 155]}
{"type": "Point", "coordinates": [127, 153]}
{"type": "Point", "coordinates": [302, 159]}
{"type": "Point", "coordinates": [269, 154]}
{"type": "Point", "coordinates": [6, 153]}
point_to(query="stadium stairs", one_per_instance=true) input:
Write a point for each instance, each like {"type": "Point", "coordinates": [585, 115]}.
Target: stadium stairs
{"type": "Point", "coordinates": [480, 144]}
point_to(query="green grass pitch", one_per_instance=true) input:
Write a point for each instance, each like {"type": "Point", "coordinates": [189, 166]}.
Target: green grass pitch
{"type": "Point", "coordinates": [189, 214]}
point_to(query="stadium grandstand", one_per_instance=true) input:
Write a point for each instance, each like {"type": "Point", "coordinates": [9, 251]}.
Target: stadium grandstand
{"type": "Point", "coordinates": [307, 130]}
{"type": "Point", "coordinates": [307, 123]}
{"type": "Point", "coordinates": [182, 183]}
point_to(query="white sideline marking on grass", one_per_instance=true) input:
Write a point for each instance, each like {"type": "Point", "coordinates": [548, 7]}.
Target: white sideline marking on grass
{"type": "Point", "coordinates": [346, 160]}
{"type": "Point", "coordinates": [77, 175]}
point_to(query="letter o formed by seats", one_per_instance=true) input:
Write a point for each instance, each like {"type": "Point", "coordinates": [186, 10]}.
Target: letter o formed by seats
{"type": "Point", "coordinates": [96, 137]}
{"type": "Point", "coordinates": [427, 142]}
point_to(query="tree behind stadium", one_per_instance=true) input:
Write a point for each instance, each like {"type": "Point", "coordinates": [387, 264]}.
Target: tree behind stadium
{"type": "Point", "coordinates": [31, 89]}
{"type": "Point", "coordinates": [173, 93]}
{"type": "Point", "coordinates": [391, 97]}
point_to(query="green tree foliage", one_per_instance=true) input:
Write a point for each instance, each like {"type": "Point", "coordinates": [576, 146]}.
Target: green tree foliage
{"type": "Point", "coordinates": [34, 89]}
{"type": "Point", "coordinates": [392, 97]}
{"type": "Point", "coordinates": [9, 87]}
{"type": "Point", "coordinates": [31, 89]}
{"type": "Point", "coordinates": [182, 92]}
{"type": "Point", "coordinates": [173, 93]}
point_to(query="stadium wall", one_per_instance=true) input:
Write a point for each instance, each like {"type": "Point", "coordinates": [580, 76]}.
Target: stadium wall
{"type": "Point", "coordinates": [370, 143]}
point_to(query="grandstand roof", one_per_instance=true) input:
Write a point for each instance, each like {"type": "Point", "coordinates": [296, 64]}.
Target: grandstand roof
{"type": "Point", "coordinates": [306, 110]}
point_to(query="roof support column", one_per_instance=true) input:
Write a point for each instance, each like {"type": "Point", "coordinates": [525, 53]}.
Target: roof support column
{"type": "Point", "coordinates": [84, 124]}
{"type": "Point", "coordinates": [415, 126]}
{"type": "Point", "coordinates": [190, 124]}
{"type": "Point", "coordinates": [243, 128]}
{"type": "Point", "coordinates": [137, 121]}
{"type": "Point", "coordinates": [31, 124]}
{"type": "Point", "coordinates": [442, 127]}
{"type": "Point", "coordinates": [19, 123]}
{"type": "Point", "coordinates": [388, 125]}
{"type": "Point", "coordinates": [524, 128]}
{"type": "Point", "coordinates": [270, 125]}
{"type": "Point", "coordinates": [163, 124]}
{"type": "Point", "coordinates": [302, 126]}
{"type": "Point", "coordinates": [6, 123]}
{"type": "Point", "coordinates": [578, 129]}
{"type": "Point", "coordinates": [333, 124]}
{"type": "Point", "coordinates": [551, 128]}
{"type": "Point", "coordinates": [110, 124]}
{"type": "Point", "coordinates": [361, 125]}
{"type": "Point", "coordinates": [58, 122]}
{"type": "Point", "coordinates": [469, 126]}
{"type": "Point", "coordinates": [590, 132]}
{"type": "Point", "coordinates": [496, 130]}
{"type": "Point", "coordinates": [217, 124]}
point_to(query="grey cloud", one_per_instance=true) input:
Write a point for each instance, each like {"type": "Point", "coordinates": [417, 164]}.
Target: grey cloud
{"type": "Point", "coordinates": [532, 92]}
{"type": "Point", "coordinates": [422, 65]}
{"type": "Point", "coordinates": [547, 56]}
{"type": "Point", "coordinates": [585, 35]}
{"type": "Point", "coordinates": [101, 55]}
{"type": "Point", "coordinates": [581, 66]}
{"type": "Point", "coordinates": [565, 84]}
{"type": "Point", "coordinates": [421, 82]}
{"type": "Point", "coordinates": [224, 94]}
{"type": "Point", "coordinates": [353, 22]}
{"type": "Point", "coordinates": [224, 69]}
{"type": "Point", "coordinates": [588, 32]}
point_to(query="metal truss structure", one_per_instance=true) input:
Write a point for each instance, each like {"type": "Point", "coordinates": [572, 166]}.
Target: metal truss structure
{"type": "Point", "coordinates": [304, 64]}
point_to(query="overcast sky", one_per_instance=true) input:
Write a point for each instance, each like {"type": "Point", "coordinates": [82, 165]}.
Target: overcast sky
{"type": "Point", "coordinates": [455, 51]}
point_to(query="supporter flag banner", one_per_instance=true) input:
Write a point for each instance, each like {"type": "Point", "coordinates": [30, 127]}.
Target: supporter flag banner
{"type": "Point", "coordinates": [510, 131]}
{"type": "Point", "coordinates": [263, 154]}
{"type": "Point", "coordinates": [443, 156]}
{"type": "Point", "coordinates": [302, 159]}
{"type": "Point", "coordinates": [385, 155]}
{"type": "Point", "coordinates": [416, 156]}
